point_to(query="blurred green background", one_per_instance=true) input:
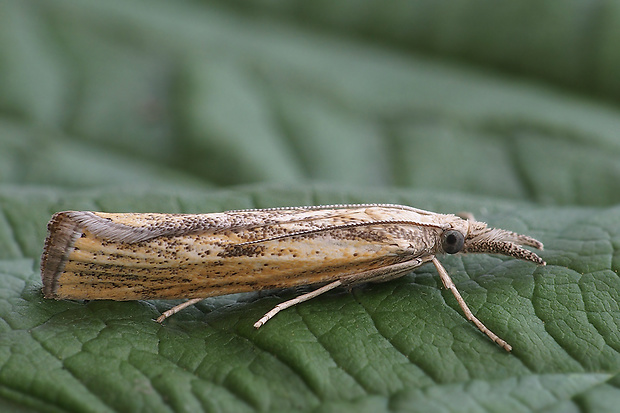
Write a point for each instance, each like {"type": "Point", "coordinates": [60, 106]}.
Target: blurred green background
{"type": "Point", "coordinates": [507, 110]}
{"type": "Point", "coordinates": [515, 101]}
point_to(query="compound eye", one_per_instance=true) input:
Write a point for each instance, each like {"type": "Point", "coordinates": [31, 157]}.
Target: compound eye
{"type": "Point", "coordinates": [453, 241]}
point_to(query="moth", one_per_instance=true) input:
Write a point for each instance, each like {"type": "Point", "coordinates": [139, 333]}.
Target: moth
{"type": "Point", "coordinates": [136, 256]}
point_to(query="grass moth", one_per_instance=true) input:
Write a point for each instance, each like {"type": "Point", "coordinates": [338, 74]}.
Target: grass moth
{"type": "Point", "coordinates": [135, 256]}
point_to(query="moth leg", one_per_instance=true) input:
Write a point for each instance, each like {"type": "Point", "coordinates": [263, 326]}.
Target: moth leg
{"type": "Point", "coordinates": [178, 308]}
{"type": "Point", "coordinates": [447, 282]}
{"type": "Point", "coordinates": [296, 300]}
{"type": "Point", "coordinates": [376, 275]}
{"type": "Point", "coordinates": [379, 275]}
{"type": "Point", "coordinates": [390, 273]}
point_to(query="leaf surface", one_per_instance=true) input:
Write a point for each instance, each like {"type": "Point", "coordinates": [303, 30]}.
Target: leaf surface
{"type": "Point", "coordinates": [188, 107]}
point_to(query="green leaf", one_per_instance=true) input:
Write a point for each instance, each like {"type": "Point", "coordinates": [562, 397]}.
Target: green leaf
{"type": "Point", "coordinates": [188, 107]}
{"type": "Point", "coordinates": [389, 346]}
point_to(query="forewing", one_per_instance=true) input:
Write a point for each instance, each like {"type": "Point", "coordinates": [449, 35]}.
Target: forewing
{"type": "Point", "coordinates": [133, 227]}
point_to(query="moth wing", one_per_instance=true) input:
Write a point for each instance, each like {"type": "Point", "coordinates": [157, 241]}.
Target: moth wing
{"type": "Point", "coordinates": [136, 227]}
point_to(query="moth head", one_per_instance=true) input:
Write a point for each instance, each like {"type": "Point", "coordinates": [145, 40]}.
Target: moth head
{"type": "Point", "coordinates": [473, 236]}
